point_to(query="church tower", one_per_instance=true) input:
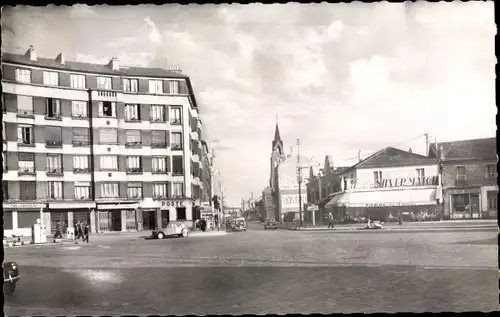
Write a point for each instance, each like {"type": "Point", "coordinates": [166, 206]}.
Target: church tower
{"type": "Point", "coordinates": [277, 154]}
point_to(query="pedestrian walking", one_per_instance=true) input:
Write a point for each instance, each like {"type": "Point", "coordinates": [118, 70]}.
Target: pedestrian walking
{"type": "Point", "coordinates": [58, 234]}
{"type": "Point", "coordinates": [86, 233]}
{"type": "Point", "coordinates": [330, 220]}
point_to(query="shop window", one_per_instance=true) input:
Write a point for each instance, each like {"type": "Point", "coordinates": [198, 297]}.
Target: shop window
{"type": "Point", "coordinates": [26, 219]}
{"type": "Point", "coordinates": [7, 220]}
{"type": "Point", "coordinates": [181, 213]}
{"type": "Point", "coordinates": [492, 197]}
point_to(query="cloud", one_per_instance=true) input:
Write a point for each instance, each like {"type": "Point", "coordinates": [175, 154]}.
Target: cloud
{"type": "Point", "coordinates": [341, 77]}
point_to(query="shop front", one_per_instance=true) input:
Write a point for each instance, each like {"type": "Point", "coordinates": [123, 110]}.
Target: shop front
{"type": "Point", "coordinates": [386, 204]}
{"type": "Point", "coordinates": [117, 216]}
{"type": "Point", "coordinates": [20, 217]}
{"type": "Point", "coordinates": [465, 203]}
{"type": "Point", "coordinates": [176, 210]}
{"type": "Point", "coordinates": [67, 213]}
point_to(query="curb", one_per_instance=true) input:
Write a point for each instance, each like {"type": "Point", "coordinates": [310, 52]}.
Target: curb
{"type": "Point", "coordinates": [389, 230]}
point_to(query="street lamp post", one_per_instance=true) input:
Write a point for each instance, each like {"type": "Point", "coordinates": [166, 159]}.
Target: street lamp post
{"type": "Point", "coordinates": [299, 180]}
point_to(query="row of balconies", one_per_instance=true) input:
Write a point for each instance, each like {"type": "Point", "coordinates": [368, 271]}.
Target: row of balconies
{"type": "Point", "coordinates": [58, 117]}
{"type": "Point", "coordinates": [58, 144]}
{"type": "Point", "coordinates": [59, 171]}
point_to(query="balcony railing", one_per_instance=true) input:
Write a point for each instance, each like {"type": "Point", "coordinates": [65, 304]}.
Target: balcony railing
{"type": "Point", "coordinates": [25, 113]}
{"type": "Point", "coordinates": [25, 143]}
{"type": "Point", "coordinates": [159, 145]}
{"type": "Point", "coordinates": [27, 171]}
{"type": "Point", "coordinates": [81, 143]}
{"type": "Point", "coordinates": [177, 172]}
{"type": "Point", "coordinates": [175, 121]}
{"type": "Point", "coordinates": [157, 171]}
{"type": "Point", "coordinates": [133, 144]}
{"type": "Point", "coordinates": [54, 171]}
{"type": "Point", "coordinates": [106, 94]}
{"type": "Point", "coordinates": [157, 120]}
{"type": "Point", "coordinates": [134, 170]}
{"type": "Point", "coordinates": [176, 147]}
{"type": "Point", "coordinates": [160, 197]}
{"type": "Point", "coordinates": [133, 119]}
{"type": "Point", "coordinates": [27, 198]}
{"type": "Point", "coordinates": [54, 117]}
{"type": "Point", "coordinates": [81, 170]}
{"type": "Point", "coordinates": [49, 143]}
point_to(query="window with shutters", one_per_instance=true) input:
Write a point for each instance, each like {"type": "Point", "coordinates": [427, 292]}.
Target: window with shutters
{"type": "Point", "coordinates": [108, 136]}
{"type": "Point", "coordinates": [173, 86]}
{"type": "Point", "coordinates": [158, 139]}
{"type": "Point", "coordinates": [133, 138]}
{"type": "Point", "coordinates": [25, 134]}
{"type": "Point", "coordinates": [130, 85]}
{"type": "Point", "coordinates": [81, 164]}
{"type": "Point", "coordinates": [55, 190]}
{"type": "Point", "coordinates": [160, 190]}
{"type": "Point", "coordinates": [132, 112]}
{"type": "Point", "coordinates": [54, 163]}
{"type": "Point", "coordinates": [110, 190]}
{"type": "Point", "coordinates": [82, 190]}
{"type": "Point", "coordinates": [27, 190]}
{"type": "Point", "coordinates": [175, 115]}
{"type": "Point", "coordinates": [51, 78]}
{"type": "Point", "coordinates": [177, 190]}
{"type": "Point", "coordinates": [107, 109]}
{"type": "Point", "coordinates": [156, 86]}
{"type": "Point", "coordinates": [53, 136]}
{"type": "Point", "coordinates": [81, 136]}
{"type": "Point", "coordinates": [134, 190]}
{"type": "Point", "coordinates": [157, 113]}
{"type": "Point", "coordinates": [79, 109]}
{"type": "Point", "coordinates": [160, 164]}
{"type": "Point", "coordinates": [26, 163]}
{"type": "Point", "coordinates": [53, 108]}
{"type": "Point", "coordinates": [109, 162]}
{"type": "Point", "coordinates": [23, 75]}
{"type": "Point", "coordinates": [134, 164]}
{"type": "Point", "coordinates": [177, 165]}
{"type": "Point", "coordinates": [25, 106]}
{"type": "Point", "coordinates": [104, 83]}
{"type": "Point", "coordinates": [176, 143]}
{"type": "Point", "coordinates": [77, 81]}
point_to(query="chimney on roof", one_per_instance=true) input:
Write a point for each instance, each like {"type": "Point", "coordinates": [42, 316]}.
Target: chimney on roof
{"type": "Point", "coordinates": [113, 64]}
{"type": "Point", "coordinates": [410, 151]}
{"type": "Point", "coordinates": [60, 58]}
{"type": "Point", "coordinates": [359, 155]}
{"type": "Point", "coordinates": [31, 53]}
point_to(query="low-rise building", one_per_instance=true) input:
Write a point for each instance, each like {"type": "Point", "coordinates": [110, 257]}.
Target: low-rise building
{"type": "Point", "coordinates": [469, 177]}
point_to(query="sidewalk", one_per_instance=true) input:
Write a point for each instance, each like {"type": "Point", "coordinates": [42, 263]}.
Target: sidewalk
{"type": "Point", "coordinates": [459, 225]}
{"type": "Point", "coordinates": [119, 236]}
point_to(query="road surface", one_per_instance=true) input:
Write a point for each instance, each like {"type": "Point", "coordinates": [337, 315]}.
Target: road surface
{"type": "Point", "coordinates": [260, 272]}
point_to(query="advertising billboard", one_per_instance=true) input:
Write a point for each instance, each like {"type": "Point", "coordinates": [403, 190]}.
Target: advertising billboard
{"type": "Point", "coordinates": [290, 201]}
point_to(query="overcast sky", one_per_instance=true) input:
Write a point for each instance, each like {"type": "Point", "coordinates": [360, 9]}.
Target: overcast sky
{"type": "Point", "coordinates": [341, 77]}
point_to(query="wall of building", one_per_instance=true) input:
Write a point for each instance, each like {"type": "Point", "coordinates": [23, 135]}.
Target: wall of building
{"type": "Point", "coordinates": [475, 171]}
{"type": "Point", "coordinates": [367, 175]}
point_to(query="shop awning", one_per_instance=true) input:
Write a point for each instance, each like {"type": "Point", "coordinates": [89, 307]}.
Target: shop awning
{"type": "Point", "coordinates": [385, 198]}
{"type": "Point", "coordinates": [117, 206]}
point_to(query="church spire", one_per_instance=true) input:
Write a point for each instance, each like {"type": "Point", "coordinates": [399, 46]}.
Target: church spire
{"type": "Point", "coordinates": [277, 136]}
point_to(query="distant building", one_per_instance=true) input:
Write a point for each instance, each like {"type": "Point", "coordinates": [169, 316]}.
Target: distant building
{"type": "Point", "coordinates": [267, 196]}
{"type": "Point", "coordinates": [283, 181]}
{"type": "Point", "coordinates": [469, 173]}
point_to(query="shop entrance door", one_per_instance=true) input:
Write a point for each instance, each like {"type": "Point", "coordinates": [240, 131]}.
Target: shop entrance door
{"type": "Point", "coordinates": [116, 217]}
{"type": "Point", "coordinates": [149, 218]}
{"type": "Point", "coordinates": [474, 206]}
{"type": "Point", "coordinates": [165, 218]}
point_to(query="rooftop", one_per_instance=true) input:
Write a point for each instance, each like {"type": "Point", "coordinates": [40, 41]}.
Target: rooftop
{"type": "Point", "coordinates": [105, 69]}
{"type": "Point", "coordinates": [474, 149]}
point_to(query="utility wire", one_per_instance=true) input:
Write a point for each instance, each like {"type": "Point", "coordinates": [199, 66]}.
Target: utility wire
{"type": "Point", "coordinates": [394, 145]}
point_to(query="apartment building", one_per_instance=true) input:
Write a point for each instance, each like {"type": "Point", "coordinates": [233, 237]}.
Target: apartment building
{"type": "Point", "coordinates": [116, 147]}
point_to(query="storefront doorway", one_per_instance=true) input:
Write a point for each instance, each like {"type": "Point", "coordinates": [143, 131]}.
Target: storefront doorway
{"type": "Point", "coordinates": [116, 220]}
{"type": "Point", "coordinates": [165, 217]}
{"type": "Point", "coordinates": [149, 219]}
{"type": "Point", "coordinates": [465, 206]}
{"type": "Point", "coordinates": [62, 217]}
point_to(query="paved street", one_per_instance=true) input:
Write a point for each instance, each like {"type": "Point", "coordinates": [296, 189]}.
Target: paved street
{"type": "Point", "coordinates": [258, 272]}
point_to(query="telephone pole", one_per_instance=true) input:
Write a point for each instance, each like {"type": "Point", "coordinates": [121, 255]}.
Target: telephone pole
{"type": "Point", "coordinates": [426, 144]}
{"type": "Point", "coordinates": [299, 180]}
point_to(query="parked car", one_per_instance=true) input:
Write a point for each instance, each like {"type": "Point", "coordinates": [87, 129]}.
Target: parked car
{"type": "Point", "coordinates": [239, 225]}
{"type": "Point", "coordinates": [270, 224]}
{"type": "Point", "coordinates": [10, 277]}
{"type": "Point", "coordinates": [173, 229]}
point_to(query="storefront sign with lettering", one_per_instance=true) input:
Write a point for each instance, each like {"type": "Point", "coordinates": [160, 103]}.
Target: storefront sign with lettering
{"type": "Point", "coordinates": [172, 203]}
{"type": "Point", "coordinates": [398, 182]}
{"type": "Point", "coordinates": [24, 206]}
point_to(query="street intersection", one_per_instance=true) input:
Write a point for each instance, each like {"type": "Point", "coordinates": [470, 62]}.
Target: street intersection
{"type": "Point", "coordinates": [260, 271]}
